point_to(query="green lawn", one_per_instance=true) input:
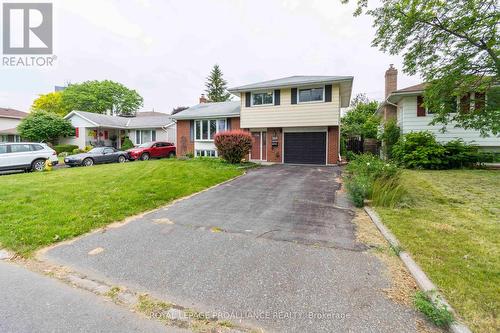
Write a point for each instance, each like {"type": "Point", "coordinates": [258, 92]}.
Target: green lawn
{"type": "Point", "coordinates": [38, 209]}
{"type": "Point", "coordinates": [453, 231]}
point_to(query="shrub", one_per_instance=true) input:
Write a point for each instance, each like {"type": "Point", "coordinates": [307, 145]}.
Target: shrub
{"type": "Point", "coordinates": [419, 150]}
{"type": "Point", "coordinates": [389, 137]}
{"type": "Point", "coordinates": [63, 154]}
{"type": "Point", "coordinates": [233, 145]}
{"type": "Point", "coordinates": [77, 151]}
{"type": "Point", "coordinates": [371, 178]}
{"type": "Point", "coordinates": [65, 148]}
{"type": "Point", "coordinates": [127, 144]}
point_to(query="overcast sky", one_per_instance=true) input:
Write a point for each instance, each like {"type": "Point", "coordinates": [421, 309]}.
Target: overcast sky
{"type": "Point", "coordinates": [165, 49]}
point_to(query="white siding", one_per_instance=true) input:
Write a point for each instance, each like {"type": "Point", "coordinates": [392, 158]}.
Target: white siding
{"type": "Point", "coordinates": [409, 122]}
{"type": "Point", "coordinates": [8, 123]}
{"type": "Point", "coordinates": [288, 115]}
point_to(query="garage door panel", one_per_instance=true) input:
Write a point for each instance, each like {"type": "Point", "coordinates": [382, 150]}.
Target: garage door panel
{"type": "Point", "coordinates": [305, 148]}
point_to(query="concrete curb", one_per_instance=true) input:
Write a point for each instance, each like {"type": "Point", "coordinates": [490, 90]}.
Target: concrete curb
{"type": "Point", "coordinates": [418, 274]}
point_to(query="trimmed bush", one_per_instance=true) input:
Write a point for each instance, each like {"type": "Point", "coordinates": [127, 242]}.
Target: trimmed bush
{"type": "Point", "coordinates": [389, 137]}
{"type": "Point", "coordinates": [127, 144]}
{"type": "Point", "coordinates": [419, 150]}
{"type": "Point", "coordinates": [233, 145]}
{"type": "Point", "coordinates": [65, 148]}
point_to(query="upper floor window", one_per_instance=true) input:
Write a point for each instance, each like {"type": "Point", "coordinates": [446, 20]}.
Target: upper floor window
{"type": "Point", "coordinates": [311, 95]}
{"type": "Point", "coordinates": [263, 98]}
{"type": "Point", "coordinates": [205, 129]}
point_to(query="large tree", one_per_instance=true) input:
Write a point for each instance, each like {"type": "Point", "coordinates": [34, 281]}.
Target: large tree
{"type": "Point", "coordinates": [51, 102]}
{"type": "Point", "coordinates": [454, 46]}
{"type": "Point", "coordinates": [361, 120]}
{"type": "Point", "coordinates": [44, 126]}
{"type": "Point", "coordinates": [101, 97]}
{"type": "Point", "coordinates": [217, 86]}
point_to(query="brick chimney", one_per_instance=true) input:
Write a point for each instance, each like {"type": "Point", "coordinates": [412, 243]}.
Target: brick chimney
{"type": "Point", "coordinates": [203, 99]}
{"type": "Point", "coordinates": [391, 80]}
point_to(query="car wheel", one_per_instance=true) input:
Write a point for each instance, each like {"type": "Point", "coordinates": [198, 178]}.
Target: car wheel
{"type": "Point", "coordinates": [121, 159]}
{"type": "Point", "coordinates": [38, 165]}
{"type": "Point", "coordinates": [171, 154]}
{"type": "Point", "coordinates": [145, 157]}
{"type": "Point", "coordinates": [88, 162]}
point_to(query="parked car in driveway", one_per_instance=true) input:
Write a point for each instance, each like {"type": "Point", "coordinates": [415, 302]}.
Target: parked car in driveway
{"type": "Point", "coordinates": [155, 149]}
{"type": "Point", "coordinates": [97, 155]}
{"type": "Point", "coordinates": [28, 156]}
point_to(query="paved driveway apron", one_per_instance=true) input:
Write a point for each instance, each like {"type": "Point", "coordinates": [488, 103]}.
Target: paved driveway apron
{"type": "Point", "coordinates": [269, 248]}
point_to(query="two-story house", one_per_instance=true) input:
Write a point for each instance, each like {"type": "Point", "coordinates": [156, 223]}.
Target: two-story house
{"type": "Point", "coordinates": [406, 107]}
{"type": "Point", "coordinates": [9, 120]}
{"type": "Point", "coordinates": [292, 120]}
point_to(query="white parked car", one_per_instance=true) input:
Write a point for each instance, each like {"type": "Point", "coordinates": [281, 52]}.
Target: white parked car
{"type": "Point", "coordinates": [25, 156]}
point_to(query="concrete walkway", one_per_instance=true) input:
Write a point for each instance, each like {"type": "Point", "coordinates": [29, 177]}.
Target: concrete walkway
{"type": "Point", "coordinates": [269, 249]}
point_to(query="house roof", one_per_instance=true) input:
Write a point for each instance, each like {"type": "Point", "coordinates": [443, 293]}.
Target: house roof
{"type": "Point", "coordinates": [302, 80]}
{"type": "Point", "coordinates": [103, 120]}
{"type": "Point", "coordinates": [396, 95]}
{"type": "Point", "coordinates": [416, 88]}
{"type": "Point", "coordinates": [207, 110]}
{"type": "Point", "coordinates": [11, 113]}
{"type": "Point", "coordinates": [150, 113]}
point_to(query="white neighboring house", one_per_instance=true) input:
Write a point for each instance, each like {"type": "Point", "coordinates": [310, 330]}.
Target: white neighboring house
{"type": "Point", "coordinates": [405, 105]}
{"type": "Point", "coordinates": [93, 129]}
{"type": "Point", "coordinates": [9, 119]}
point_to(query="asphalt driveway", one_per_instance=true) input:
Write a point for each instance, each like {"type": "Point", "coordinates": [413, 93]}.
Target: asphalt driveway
{"type": "Point", "coordinates": [270, 249]}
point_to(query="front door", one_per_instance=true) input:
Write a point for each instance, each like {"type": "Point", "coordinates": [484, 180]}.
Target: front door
{"type": "Point", "coordinates": [255, 152]}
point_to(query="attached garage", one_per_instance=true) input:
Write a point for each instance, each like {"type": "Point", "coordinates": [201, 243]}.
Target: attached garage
{"type": "Point", "coordinates": [304, 147]}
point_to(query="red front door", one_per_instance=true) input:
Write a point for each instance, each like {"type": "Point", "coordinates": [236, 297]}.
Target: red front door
{"type": "Point", "coordinates": [255, 152]}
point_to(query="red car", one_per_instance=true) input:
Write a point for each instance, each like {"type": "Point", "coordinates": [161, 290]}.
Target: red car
{"type": "Point", "coordinates": [156, 149]}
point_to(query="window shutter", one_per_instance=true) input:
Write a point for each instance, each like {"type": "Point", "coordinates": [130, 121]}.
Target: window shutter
{"type": "Point", "coordinates": [138, 137]}
{"type": "Point", "coordinates": [228, 124]}
{"type": "Point", "coordinates": [77, 132]}
{"type": "Point", "coordinates": [248, 97]}
{"type": "Point", "coordinates": [420, 107]}
{"type": "Point", "coordinates": [191, 130]}
{"type": "Point", "coordinates": [328, 93]}
{"type": "Point", "coordinates": [153, 135]}
{"type": "Point", "coordinates": [479, 101]}
{"type": "Point", "coordinates": [277, 94]}
{"type": "Point", "coordinates": [465, 104]}
{"type": "Point", "coordinates": [294, 95]}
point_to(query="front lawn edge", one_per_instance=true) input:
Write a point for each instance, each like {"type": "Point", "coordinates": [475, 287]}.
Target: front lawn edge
{"type": "Point", "coordinates": [423, 281]}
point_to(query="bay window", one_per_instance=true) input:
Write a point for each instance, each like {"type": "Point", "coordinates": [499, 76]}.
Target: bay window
{"type": "Point", "coordinates": [205, 129]}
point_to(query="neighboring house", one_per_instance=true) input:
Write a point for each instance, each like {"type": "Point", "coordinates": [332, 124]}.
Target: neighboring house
{"type": "Point", "coordinates": [292, 120]}
{"type": "Point", "coordinates": [9, 119]}
{"type": "Point", "coordinates": [93, 129]}
{"type": "Point", "coordinates": [405, 105]}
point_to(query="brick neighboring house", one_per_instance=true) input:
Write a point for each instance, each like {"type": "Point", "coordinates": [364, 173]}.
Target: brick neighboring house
{"type": "Point", "coordinates": [292, 120]}
{"type": "Point", "coordinates": [406, 107]}
{"type": "Point", "coordinates": [9, 120]}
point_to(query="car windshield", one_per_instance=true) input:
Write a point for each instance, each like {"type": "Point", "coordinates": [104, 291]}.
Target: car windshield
{"type": "Point", "coordinates": [145, 145]}
{"type": "Point", "coordinates": [96, 151]}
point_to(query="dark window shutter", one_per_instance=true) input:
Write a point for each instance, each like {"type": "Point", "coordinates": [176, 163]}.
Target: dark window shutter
{"type": "Point", "coordinates": [277, 97]}
{"type": "Point", "coordinates": [191, 130]}
{"type": "Point", "coordinates": [228, 124]}
{"type": "Point", "coordinates": [328, 93]}
{"type": "Point", "coordinates": [420, 107]}
{"type": "Point", "coordinates": [465, 104]}
{"type": "Point", "coordinates": [138, 137]}
{"type": "Point", "coordinates": [248, 97]}
{"type": "Point", "coordinates": [153, 135]}
{"type": "Point", "coordinates": [294, 95]}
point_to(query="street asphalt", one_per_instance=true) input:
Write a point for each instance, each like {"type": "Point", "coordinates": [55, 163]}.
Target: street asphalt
{"type": "Point", "coordinates": [34, 303]}
{"type": "Point", "coordinates": [269, 250]}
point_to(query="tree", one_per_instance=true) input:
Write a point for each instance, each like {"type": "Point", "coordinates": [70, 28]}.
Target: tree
{"type": "Point", "coordinates": [361, 119]}
{"type": "Point", "coordinates": [453, 45]}
{"type": "Point", "coordinates": [179, 109]}
{"type": "Point", "coordinates": [217, 86]}
{"type": "Point", "coordinates": [51, 102]}
{"type": "Point", "coordinates": [44, 126]}
{"type": "Point", "coordinates": [102, 96]}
